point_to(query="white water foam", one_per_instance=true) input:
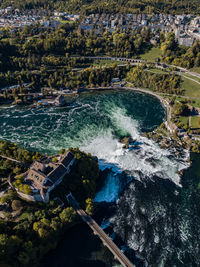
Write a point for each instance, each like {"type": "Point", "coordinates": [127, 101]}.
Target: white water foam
{"type": "Point", "coordinates": [150, 160]}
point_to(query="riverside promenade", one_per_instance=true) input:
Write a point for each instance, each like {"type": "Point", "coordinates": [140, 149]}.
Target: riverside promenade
{"type": "Point", "coordinates": [107, 241]}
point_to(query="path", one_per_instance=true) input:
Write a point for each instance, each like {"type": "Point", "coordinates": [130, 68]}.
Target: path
{"type": "Point", "coordinates": [14, 160]}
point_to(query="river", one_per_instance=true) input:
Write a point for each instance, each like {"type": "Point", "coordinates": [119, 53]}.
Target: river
{"type": "Point", "coordinates": [156, 212]}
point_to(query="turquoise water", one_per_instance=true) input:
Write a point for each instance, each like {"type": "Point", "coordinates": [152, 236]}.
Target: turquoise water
{"type": "Point", "coordinates": [49, 129]}
{"type": "Point", "coordinates": [157, 214]}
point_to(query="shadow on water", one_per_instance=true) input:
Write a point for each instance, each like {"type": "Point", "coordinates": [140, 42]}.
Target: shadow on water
{"type": "Point", "coordinates": [79, 247]}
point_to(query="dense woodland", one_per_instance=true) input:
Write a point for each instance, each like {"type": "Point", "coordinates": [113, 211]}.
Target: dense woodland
{"type": "Point", "coordinates": [165, 83]}
{"type": "Point", "coordinates": [43, 58]}
{"type": "Point", "coordinates": [37, 230]}
{"type": "Point", "coordinates": [22, 51]}
{"type": "Point", "coordinates": [113, 6]}
{"type": "Point", "coordinates": [13, 151]}
{"type": "Point", "coordinates": [181, 56]}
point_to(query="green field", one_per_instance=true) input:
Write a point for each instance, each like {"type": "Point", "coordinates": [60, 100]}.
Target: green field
{"type": "Point", "coordinates": [97, 63]}
{"type": "Point", "coordinates": [152, 55]}
{"type": "Point", "coordinates": [157, 71]}
{"type": "Point", "coordinates": [191, 88]}
{"type": "Point", "coordinates": [193, 77]}
{"type": "Point", "coordinates": [195, 69]}
{"type": "Point", "coordinates": [183, 119]}
{"type": "Point", "coordinates": [195, 122]}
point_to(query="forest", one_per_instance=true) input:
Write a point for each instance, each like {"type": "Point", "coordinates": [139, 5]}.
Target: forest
{"type": "Point", "coordinates": [164, 83]}
{"type": "Point", "coordinates": [13, 151]}
{"type": "Point", "coordinates": [113, 6]}
{"type": "Point", "coordinates": [43, 58]}
{"type": "Point", "coordinates": [44, 61]}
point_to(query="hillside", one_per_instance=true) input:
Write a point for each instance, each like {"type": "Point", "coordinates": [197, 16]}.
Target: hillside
{"type": "Point", "coordinates": [113, 6]}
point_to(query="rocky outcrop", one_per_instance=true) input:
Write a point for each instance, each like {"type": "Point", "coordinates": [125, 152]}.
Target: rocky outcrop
{"type": "Point", "coordinates": [127, 141]}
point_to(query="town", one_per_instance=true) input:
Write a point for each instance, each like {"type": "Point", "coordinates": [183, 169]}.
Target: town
{"type": "Point", "coordinates": [14, 18]}
{"type": "Point", "coordinates": [185, 27]}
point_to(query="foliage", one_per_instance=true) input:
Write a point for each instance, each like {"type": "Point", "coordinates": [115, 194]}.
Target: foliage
{"type": "Point", "coordinates": [180, 109]}
{"type": "Point", "coordinates": [37, 231]}
{"type": "Point", "coordinates": [54, 159]}
{"type": "Point", "coordinates": [82, 180]}
{"type": "Point", "coordinates": [45, 63]}
{"type": "Point", "coordinates": [196, 146]}
{"type": "Point", "coordinates": [99, 76]}
{"type": "Point", "coordinates": [180, 56]}
{"type": "Point", "coordinates": [166, 83]}
{"type": "Point", "coordinates": [9, 197]}
{"type": "Point", "coordinates": [39, 227]}
{"type": "Point", "coordinates": [89, 206]}
{"type": "Point", "coordinates": [113, 6]}
{"type": "Point", "coordinates": [15, 152]}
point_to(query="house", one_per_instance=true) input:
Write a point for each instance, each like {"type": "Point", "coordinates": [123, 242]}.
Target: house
{"type": "Point", "coordinates": [185, 40]}
{"type": "Point", "coordinates": [44, 176]}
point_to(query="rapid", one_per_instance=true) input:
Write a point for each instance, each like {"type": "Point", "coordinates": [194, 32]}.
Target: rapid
{"type": "Point", "coordinates": [156, 215]}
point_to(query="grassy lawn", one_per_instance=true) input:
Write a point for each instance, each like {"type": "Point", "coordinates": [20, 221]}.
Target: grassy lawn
{"type": "Point", "coordinates": [97, 63]}
{"type": "Point", "coordinates": [191, 102]}
{"type": "Point", "coordinates": [152, 54]}
{"type": "Point", "coordinates": [193, 77]}
{"type": "Point", "coordinates": [183, 119]}
{"type": "Point", "coordinates": [195, 69]}
{"type": "Point", "coordinates": [195, 122]}
{"type": "Point", "coordinates": [158, 71]}
{"type": "Point", "coordinates": [66, 21]}
{"type": "Point", "coordinates": [192, 89]}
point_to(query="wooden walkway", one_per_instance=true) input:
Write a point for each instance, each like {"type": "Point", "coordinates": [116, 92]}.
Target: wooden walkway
{"type": "Point", "coordinates": [107, 241]}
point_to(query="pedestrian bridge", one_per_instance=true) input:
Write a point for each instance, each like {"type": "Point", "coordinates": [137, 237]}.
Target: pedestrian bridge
{"type": "Point", "coordinates": [107, 241]}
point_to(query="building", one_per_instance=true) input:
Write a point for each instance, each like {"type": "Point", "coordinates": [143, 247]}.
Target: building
{"type": "Point", "coordinates": [44, 176]}
{"type": "Point", "coordinates": [186, 40]}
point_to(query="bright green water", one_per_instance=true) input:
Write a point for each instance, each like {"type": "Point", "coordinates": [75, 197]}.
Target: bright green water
{"type": "Point", "coordinates": [49, 129]}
